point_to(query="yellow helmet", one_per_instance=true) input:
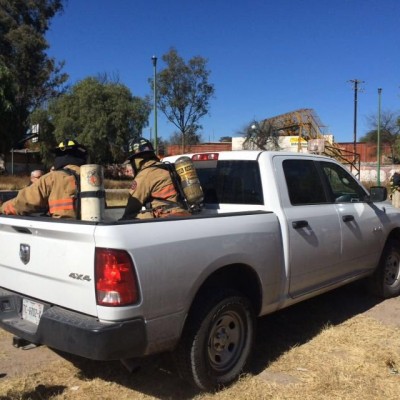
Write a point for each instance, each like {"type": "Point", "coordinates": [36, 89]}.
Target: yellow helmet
{"type": "Point", "coordinates": [70, 145]}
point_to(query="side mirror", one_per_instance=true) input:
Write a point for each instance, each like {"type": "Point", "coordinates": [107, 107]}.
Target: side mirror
{"type": "Point", "coordinates": [377, 194]}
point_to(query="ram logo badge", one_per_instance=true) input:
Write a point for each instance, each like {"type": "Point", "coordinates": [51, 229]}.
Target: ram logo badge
{"type": "Point", "coordinates": [24, 253]}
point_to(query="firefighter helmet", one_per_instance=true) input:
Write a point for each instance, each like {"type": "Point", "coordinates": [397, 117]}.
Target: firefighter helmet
{"type": "Point", "coordinates": [70, 146]}
{"type": "Point", "coordinates": [139, 146]}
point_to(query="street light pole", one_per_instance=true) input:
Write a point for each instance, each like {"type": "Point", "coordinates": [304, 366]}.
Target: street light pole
{"type": "Point", "coordinates": [379, 138]}
{"type": "Point", "coordinates": [154, 59]}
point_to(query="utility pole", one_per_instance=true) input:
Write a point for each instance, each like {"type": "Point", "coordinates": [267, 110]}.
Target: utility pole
{"type": "Point", "coordinates": [355, 83]}
{"type": "Point", "coordinates": [379, 138]}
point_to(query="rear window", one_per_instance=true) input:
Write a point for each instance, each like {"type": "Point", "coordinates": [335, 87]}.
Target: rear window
{"type": "Point", "coordinates": [235, 182]}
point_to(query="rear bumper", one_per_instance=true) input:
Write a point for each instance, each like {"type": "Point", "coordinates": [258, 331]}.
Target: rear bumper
{"type": "Point", "coordinates": [74, 333]}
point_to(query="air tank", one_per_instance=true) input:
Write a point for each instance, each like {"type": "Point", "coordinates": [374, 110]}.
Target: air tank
{"type": "Point", "coordinates": [92, 194]}
{"type": "Point", "coordinates": [189, 180]}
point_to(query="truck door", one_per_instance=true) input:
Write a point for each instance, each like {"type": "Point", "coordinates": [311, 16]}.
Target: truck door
{"type": "Point", "coordinates": [362, 234]}
{"type": "Point", "coordinates": [313, 228]}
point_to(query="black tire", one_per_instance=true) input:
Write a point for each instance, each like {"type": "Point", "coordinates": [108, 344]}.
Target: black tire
{"type": "Point", "coordinates": [216, 341]}
{"type": "Point", "coordinates": [385, 282]}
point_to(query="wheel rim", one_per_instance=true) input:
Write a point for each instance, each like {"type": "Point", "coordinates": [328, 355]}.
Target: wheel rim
{"type": "Point", "coordinates": [392, 269]}
{"type": "Point", "coordinates": [226, 341]}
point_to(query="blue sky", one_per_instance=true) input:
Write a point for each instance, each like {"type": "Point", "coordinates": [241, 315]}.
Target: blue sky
{"type": "Point", "coordinates": [266, 57]}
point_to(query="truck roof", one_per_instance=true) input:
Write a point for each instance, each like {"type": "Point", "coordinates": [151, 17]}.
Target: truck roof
{"type": "Point", "coordinates": [242, 155]}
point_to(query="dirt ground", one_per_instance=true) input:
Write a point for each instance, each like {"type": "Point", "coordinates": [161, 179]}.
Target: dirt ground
{"type": "Point", "coordinates": [333, 307]}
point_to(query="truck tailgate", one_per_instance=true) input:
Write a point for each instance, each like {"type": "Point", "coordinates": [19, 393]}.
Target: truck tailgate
{"type": "Point", "coordinates": [49, 260]}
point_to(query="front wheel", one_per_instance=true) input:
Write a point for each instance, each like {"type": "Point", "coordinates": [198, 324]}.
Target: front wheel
{"type": "Point", "coordinates": [216, 341]}
{"type": "Point", "coordinates": [385, 282]}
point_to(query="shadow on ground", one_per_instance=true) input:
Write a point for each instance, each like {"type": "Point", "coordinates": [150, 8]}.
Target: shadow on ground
{"type": "Point", "coordinates": [276, 334]}
{"type": "Point", "coordinates": [298, 324]}
{"type": "Point", "coordinates": [40, 392]}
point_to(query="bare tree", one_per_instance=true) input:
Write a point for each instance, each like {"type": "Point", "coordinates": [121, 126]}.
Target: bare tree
{"type": "Point", "coordinates": [261, 135]}
{"type": "Point", "coordinates": [389, 131]}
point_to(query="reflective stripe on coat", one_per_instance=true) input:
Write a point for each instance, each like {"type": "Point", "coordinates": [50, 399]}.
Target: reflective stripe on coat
{"type": "Point", "coordinates": [55, 191]}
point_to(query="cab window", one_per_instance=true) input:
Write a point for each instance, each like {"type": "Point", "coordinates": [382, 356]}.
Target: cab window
{"type": "Point", "coordinates": [304, 183]}
{"type": "Point", "coordinates": [343, 186]}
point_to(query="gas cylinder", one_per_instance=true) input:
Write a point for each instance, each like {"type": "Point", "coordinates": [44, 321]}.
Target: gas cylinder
{"type": "Point", "coordinates": [189, 180]}
{"type": "Point", "coordinates": [92, 194]}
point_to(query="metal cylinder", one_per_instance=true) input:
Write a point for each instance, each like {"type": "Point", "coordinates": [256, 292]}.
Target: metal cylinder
{"type": "Point", "coordinates": [92, 194]}
{"type": "Point", "coordinates": [189, 179]}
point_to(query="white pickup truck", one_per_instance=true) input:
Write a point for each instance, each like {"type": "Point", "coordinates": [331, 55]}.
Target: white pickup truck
{"type": "Point", "coordinates": [276, 228]}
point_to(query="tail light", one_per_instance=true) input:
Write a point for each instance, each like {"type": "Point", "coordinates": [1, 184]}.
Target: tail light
{"type": "Point", "coordinates": [205, 157]}
{"type": "Point", "coordinates": [116, 282]}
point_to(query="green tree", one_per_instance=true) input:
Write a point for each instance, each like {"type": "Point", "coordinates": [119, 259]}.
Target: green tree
{"type": "Point", "coordinates": [260, 135]}
{"type": "Point", "coordinates": [184, 92]}
{"type": "Point", "coordinates": [389, 131]}
{"type": "Point", "coordinates": [191, 138]}
{"type": "Point", "coordinates": [34, 76]}
{"type": "Point", "coordinates": [102, 115]}
{"type": "Point", "coordinates": [47, 141]}
{"type": "Point", "coordinates": [6, 105]}
{"type": "Point", "coordinates": [162, 145]}
{"type": "Point", "coordinates": [224, 139]}
{"type": "Point", "coordinates": [6, 90]}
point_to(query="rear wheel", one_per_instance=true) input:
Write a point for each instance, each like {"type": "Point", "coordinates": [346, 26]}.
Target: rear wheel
{"type": "Point", "coordinates": [216, 341]}
{"type": "Point", "coordinates": [385, 282]}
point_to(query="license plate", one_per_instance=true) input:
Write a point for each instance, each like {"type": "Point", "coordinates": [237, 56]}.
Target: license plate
{"type": "Point", "coordinates": [31, 311]}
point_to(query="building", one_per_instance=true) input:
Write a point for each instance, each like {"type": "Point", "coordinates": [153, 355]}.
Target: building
{"type": "Point", "coordinates": [23, 161]}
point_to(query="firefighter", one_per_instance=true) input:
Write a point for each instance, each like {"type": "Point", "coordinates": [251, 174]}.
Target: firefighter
{"type": "Point", "coordinates": [35, 175]}
{"type": "Point", "coordinates": [55, 192]}
{"type": "Point", "coordinates": [152, 187]}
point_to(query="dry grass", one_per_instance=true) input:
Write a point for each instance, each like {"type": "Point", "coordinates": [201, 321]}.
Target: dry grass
{"type": "Point", "coordinates": [116, 198]}
{"type": "Point", "coordinates": [117, 184]}
{"type": "Point", "coordinates": [116, 190]}
{"type": "Point", "coordinates": [355, 360]}
{"type": "Point", "coordinates": [324, 349]}
{"type": "Point", "coordinates": [16, 182]}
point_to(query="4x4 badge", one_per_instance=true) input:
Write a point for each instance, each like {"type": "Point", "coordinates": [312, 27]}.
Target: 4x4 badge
{"type": "Point", "coordinates": [24, 253]}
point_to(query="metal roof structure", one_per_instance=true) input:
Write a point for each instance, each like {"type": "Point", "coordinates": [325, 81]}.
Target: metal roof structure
{"type": "Point", "coordinates": [303, 123]}
{"type": "Point", "coordinates": [306, 124]}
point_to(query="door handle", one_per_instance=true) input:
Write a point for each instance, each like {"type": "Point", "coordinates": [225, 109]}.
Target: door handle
{"type": "Point", "coordinates": [348, 218]}
{"type": "Point", "coordinates": [300, 224]}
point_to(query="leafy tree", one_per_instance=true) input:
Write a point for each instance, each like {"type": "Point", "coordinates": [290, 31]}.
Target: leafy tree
{"type": "Point", "coordinates": [261, 135]}
{"type": "Point", "coordinates": [34, 76]}
{"type": "Point", "coordinates": [47, 142]}
{"type": "Point", "coordinates": [389, 132]}
{"type": "Point", "coordinates": [103, 116]}
{"type": "Point", "coordinates": [162, 145]}
{"type": "Point", "coordinates": [192, 138]}
{"type": "Point", "coordinates": [6, 90]}
{"type": "Point", "coordinates": [184, 92]}
{"type": "Point", "coordinates": [224, 139]}
{"type": "Point", "coordinates": [6, 104]}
